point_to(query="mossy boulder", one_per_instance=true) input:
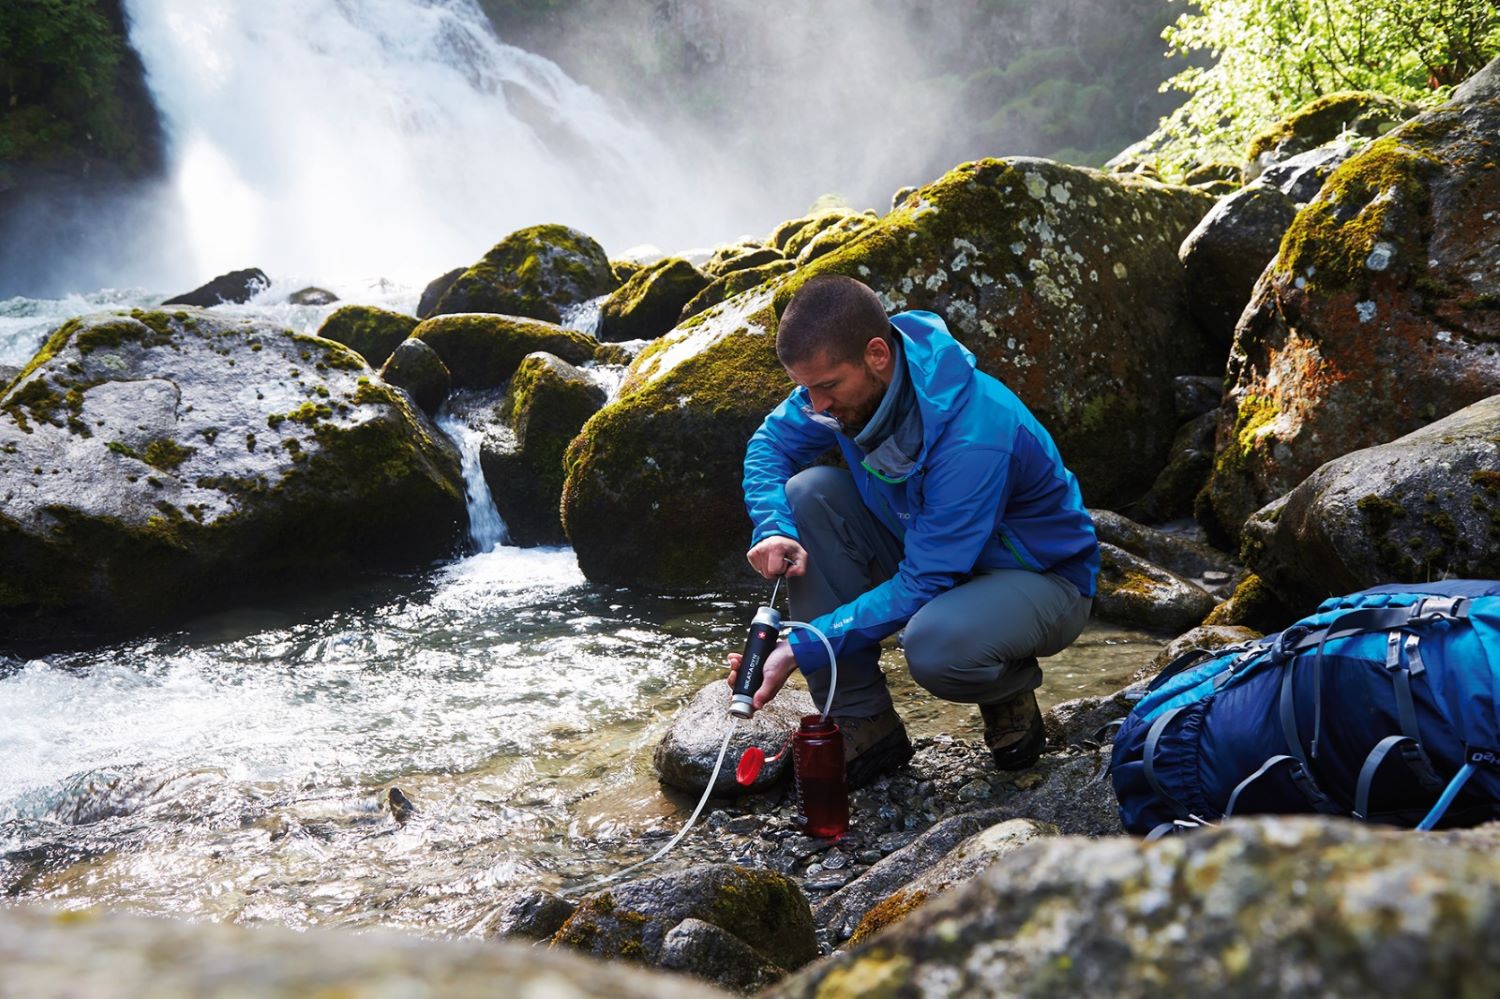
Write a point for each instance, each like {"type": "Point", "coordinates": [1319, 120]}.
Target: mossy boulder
{"type": "Point", "coordinates": [1186, 556]}
{"type": "Point", "coordinates": [538, 272]}
{"type": "Point", "coordinates": [739, 257]}
{"type": "Point", "coordinates": [312, 295]}
{"type": "Point", "coordinates": [483, 351]}
{"type": "Point", "coordinates": [1065, 284]}
{"type": "Point", "coordinates": [828, 238]}
{"type": "Point", "coordinates": [157, 464]}
{"type": "Point", "coordinates": [546, 403]}
{"type": "Point", "coordinates": [372, 333]}
{"type": "Point", "coordinates": [734, 282]}
{"type": "Point", "coordinates": [1138, 593]}
{"type": "Point", "coordinates": [1425, 506]}
{"type": "Point", "coordinates": [816, 226]}
{"type": "Point", "coordinates": [1253, 604]}
{"type": "Point", "coordinates": [815, 222]}
{"type": "Point", "coordinates": [652, 494]}
{"type": "Point", "coordinates": [417, 368]}
{"type": "Point", "coordinates": [764, 910]}
{"type": "Point", "coordinates": [649, 304]}
{"type": "Point", "coordinates": [1324, 119]}
{"type": "Point", "coordinates": [624, 270]}
{"type": "Point", "coordinates": [1265, 906]}
{"type": "Point", "coordinates": [1376, 317]}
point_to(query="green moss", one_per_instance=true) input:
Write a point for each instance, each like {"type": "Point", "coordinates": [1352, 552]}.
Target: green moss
{"type": "Point", "coordinates": [1487, 480]}
{"type": "Point", "coordinates": [166, 454]}
{"type": "Point", "coordinates": [483, 351]}
{"type": "Point", "coordinates": [1324, 118]}
{"type": "Point", "coordinates": [123, 449]}
{"type": "Point", "coordinates": [1379, 195]}
{"type": "Point", "coordinates": [309, 413]}
{"type": "Point", "coordinates": [372, 333]}
{"type": "Point", "coordinates": [650, 303]}
{"type": "Point", "coordinates": [533, 272]}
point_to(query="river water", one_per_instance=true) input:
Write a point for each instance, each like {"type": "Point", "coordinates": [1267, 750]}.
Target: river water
{"type": "Point", "coordinates": [238, 768]}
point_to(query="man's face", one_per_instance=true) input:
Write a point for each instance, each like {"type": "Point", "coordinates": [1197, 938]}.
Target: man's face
{"type": "Point", "coordinates": [850, 391]}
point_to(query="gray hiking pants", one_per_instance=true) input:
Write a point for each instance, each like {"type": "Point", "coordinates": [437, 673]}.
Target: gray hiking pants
{"type": "Point", "coordinates": [973, 644]}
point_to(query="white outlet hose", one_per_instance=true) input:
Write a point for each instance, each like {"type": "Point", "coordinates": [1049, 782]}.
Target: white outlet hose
{"type": "Point", "coordinates": [833, 679]}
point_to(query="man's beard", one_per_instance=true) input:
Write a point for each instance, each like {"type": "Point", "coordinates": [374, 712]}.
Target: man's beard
{"type": "Point", "coordinates": [861, 417]}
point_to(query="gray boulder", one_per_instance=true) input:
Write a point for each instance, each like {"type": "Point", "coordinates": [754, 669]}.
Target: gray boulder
{"type": "Point", "coordinates": [1226, 252]}
{"type": "Point", "coordinates": [156, 464]}
{"type": "Point", "coordinates": [1424, 506]}
{"type": "Point", "coordinates": [1178, 553]}
{"type": "Point", "coordinates": [312, 296]}
{"type": "Point", "coordinates": [236, 286]}
{"type": "Point", "coordinates": [1269, 906]}
{"type": "Point", "coordinates": [685, 756]}
{"type": "Point", "coordinates": [49, 952]}
{"type": "Point", "coordinates": [417, 368]}
{"type": "Point", "coordinates": [700, 948]}
{"type": "Point", "coordinates": [435, 290]}
{"type": "Point", "coordinates": [1133, 591]}
{"type": "Point", "coordinates": [764, 910]}
{"type": "Point", "coordinates": [529, 914]}
{"type": "Point", "coordinates": [843, 912]}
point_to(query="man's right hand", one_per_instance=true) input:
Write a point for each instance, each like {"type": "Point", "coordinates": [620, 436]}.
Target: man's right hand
{"type": "Point", "coordinates": [773, 556]}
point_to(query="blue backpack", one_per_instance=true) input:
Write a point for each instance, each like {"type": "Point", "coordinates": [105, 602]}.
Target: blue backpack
{"type": "Point", "coordinates": [1383, 705]}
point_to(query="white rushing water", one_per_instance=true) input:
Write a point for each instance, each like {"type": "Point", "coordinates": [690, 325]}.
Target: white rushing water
{"type": "Point", "coordinates": [486, 528]}
{"type": "Point", "coordinates": [394, 137]}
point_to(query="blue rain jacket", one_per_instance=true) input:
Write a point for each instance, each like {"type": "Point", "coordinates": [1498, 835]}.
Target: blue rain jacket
{"type": "Point", "coordinates": [990, 491]}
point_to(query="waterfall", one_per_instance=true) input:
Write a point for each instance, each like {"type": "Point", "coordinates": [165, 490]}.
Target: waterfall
{"type": "Point", "coordinates": [334, 138]}
{"type": "Point", "coordinates": [486, 528]}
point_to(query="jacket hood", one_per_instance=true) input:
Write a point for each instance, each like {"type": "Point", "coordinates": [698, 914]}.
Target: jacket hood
{"type": "Point", "coordinates": [941, 369]}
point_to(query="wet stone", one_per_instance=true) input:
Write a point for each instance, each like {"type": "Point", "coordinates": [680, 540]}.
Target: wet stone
{"type": "Point", "coordinates": [828, 880]}
{"type": "Point", "coordinates": [835, 860]}
{"type": "Point", "coordinates": [975, 790]}
{"type": "Point", "coordinates": [869, 856]}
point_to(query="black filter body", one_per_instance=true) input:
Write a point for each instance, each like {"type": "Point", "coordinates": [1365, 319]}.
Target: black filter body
{"type": "Point", "coordinates": [765, 629]}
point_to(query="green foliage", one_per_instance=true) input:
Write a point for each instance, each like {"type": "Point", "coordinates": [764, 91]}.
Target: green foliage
{"type": "Point", "coordinates": [59, 61]}
{"type": "Point", "coordinates": [1270, 57]}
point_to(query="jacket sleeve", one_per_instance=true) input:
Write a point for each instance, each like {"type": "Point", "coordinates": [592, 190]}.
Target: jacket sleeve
{"type": "Point", "coordinates": [788, 439]}
{"type": "Point", "coordinates": [944, 541]}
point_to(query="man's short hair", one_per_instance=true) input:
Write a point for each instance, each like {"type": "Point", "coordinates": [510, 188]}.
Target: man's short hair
{"type": "Point", "coordinates": [830, 313]}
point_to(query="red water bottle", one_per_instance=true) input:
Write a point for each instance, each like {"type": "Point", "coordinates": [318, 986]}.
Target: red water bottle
{"type": "Point", "coordinates": [818, 766]}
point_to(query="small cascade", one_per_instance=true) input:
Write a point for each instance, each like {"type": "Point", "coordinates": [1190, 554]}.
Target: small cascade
{"type": "Point", "coordinates": [486, 528]}
{"type": "Point", "coordinates": [584, 316]}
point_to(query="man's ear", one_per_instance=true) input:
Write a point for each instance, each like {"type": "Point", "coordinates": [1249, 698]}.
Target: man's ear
{"type": "Point", "coordinates": [879, 357]}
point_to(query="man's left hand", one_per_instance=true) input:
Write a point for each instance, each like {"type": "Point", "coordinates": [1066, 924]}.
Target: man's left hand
{"type": "Point", "coordinates": [779, 666]}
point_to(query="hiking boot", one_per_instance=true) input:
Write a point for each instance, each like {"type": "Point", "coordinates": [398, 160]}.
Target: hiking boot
{"type": "Point", "coordinates": [1014, 731]}
{"type": "Point", "coordinates": [873, 747]}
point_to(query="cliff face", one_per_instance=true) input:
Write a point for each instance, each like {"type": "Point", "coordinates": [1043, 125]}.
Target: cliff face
{"type": "Point", "coordinates": [78, 130]}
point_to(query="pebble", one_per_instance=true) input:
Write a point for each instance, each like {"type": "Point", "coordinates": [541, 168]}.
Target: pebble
{"type": "Point", "coordinates": [868, 856]}
{"type": "Point", "coordinates": [975, 790]}
{"type": "Point", "coordinates": [828, 879]}
{"type": "Point", "coordinates": [835, 859]}
{"type": "Point", "coordinates": [742, 824]}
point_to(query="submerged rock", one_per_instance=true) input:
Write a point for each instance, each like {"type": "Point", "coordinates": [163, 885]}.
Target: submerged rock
{"type": "Point", "coordinates": [685, 756]}
{"type": "Point", "coordinates": [1376, 317]}
{"type": "Point", "coordinates": [156, 464]}
{"type": "Point", "coordinates": [312, 296]}
{"type": "Point", "coordinates": [236, 286]}
{"type": "Point", "coordinates": [546, 403]}
{"type": "Point", "coordinates": [1305, 907]}
{"type": "Point", "coordinates": [649, 303]}
{"type": "Point", "coordinates": [483, 351]}
{"type": "Point", "coordinates": [536, 272]}
{"type": "Point", "coordinates": [1133, 591]}
{"type": "Point", "coordinates": [371, 332]}
{"type": "Point", "coordinates": [50, 952]}
{"type": "Point", "coordinates": [1425, 506]}
{"type": "Point", "coordinates": [763, 910]}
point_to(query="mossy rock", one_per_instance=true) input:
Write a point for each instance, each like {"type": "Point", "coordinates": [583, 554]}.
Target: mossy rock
{"type": "Point", "coordinates": [372, 333]}
{"type": "Point", "coordinates": [797, 241]}
{"type": "Point", "coordinates": [1323, 119]}
{"type": "Point", "coordinates": [624, 270]}
{"type": "Point", "coordinates": [1425, 506]}
{"type": "Point", "coordinates": [416, 368]}
{"type": "Point", "coordinates": [538, 272]}
{"type": "Point", "coordinates": [1345, 908]}
{"type": "Point", "coordinates": [1138, 594]}
{"type": "Point", "coordinates": [1214, 173]}
{"type": "Point", "coordinates": [652, 495]}
{"type": "Point", "coordinates": [1253, 604]}
{"type": "Point", "coordinates": [764, 909]}
{"type": "Point", "coordinates": [829, 238]}
{"type": "Point", "coordinates": [155, 465]}
{"type": "Point", "coordinates": [649, 304]}
{"type": "Point", "coordinates": [1373, 320]}
{"type": "Point", "coordinates": [547, 402]}
{"type": "Point", "coordinates": [733, 283]}
{"type": "Point", "coordinates": [483, 351]}
{"type": "Point", "coordinates": [784, 233]}
{"type": "Point", "coordinates": [738, 257]}
{"type": "Point", "coordinates": [1190, 460]}
{"type": "Point", "coordinates": [435, 290]}
{"type": "Point", "coordinates": [1065, 284]}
